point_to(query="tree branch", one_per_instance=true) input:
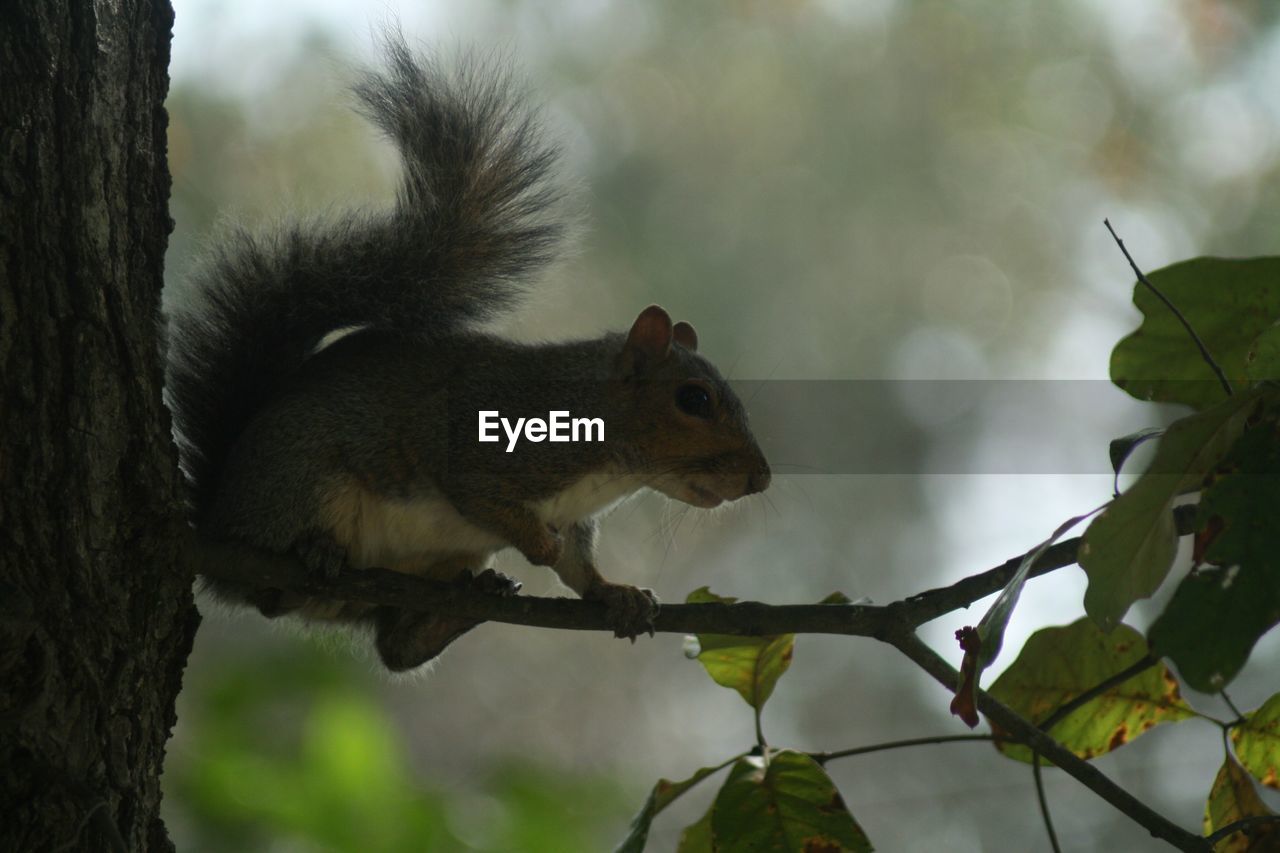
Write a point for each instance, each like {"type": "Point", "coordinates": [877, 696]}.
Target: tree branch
{"type": "Point", "coordinates": [257, 569]}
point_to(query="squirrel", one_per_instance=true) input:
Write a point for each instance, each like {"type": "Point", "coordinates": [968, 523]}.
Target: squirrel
{"type": "Point", "coordinates": [325, 380]}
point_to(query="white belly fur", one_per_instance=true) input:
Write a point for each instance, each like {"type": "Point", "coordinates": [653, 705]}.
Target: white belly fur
{"type": "Point", "coordinates": [405, 535]}
{"type": "Point", "coordinates": [591, 495]}
{"type": "Point", "coordinates": [412, 535]}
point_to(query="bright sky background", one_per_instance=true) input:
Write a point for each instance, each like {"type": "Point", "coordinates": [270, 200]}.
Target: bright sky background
{"type": "Point", "coordinates": [1225, 125]}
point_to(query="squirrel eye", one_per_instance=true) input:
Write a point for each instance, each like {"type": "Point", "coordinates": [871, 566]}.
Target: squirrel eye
{"type": "Point", "coordinates": [694, 399]}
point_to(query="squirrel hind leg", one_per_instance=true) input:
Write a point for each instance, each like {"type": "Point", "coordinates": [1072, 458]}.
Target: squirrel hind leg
{"type": "Point", "coordinates": [407, 639]}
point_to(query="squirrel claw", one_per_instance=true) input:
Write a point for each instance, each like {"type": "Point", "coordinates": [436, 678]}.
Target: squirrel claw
{"type": "Point", "coordinates": [494, 582]}
{"type": "Point", "coordinates": [631, 610]}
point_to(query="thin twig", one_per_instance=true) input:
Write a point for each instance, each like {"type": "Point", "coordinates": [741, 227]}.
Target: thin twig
{"type": "Point", "coordinates": [1060, 713]}
{"type": "Point", "coordinates": [1204, 351]}
{"type": "Point", "coordinates": [824, 757]}
{"type": "Point", "coordinates": [1232, 705]}
{"type": "Point", "coordinates": [1044, 802]}
{"type": "Point", "coordinates": [760, 741]}
{"type": "Point", "coordinates": [1244, 824]}
{"type": "Point", "coordinates": [1009, 721]}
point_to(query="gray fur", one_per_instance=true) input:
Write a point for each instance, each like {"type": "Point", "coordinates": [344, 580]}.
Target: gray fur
{"type": "Point", "coordinates": [477, 215]}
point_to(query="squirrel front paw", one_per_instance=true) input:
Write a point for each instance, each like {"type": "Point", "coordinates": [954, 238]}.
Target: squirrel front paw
{"type": "Point", "coordinates": [631, 610]}
{"type": "Point", "coordinates": [493, 582]}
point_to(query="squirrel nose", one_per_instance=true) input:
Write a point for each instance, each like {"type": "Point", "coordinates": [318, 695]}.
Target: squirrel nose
{"type": "Point", "coordinates": [759, 479]}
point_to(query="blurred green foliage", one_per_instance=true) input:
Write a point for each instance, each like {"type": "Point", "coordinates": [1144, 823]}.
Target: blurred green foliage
{"type": "Point", "coordinates": [299, 752]}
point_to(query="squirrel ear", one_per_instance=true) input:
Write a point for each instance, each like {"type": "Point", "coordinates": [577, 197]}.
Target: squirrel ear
{"type": "Point", "coordinates": [649, 340]}
{"type": "Point", "coordinates": [685, 336]}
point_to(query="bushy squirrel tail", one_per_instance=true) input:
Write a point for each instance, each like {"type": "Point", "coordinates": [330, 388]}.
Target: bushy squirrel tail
{"type": "Point", "coordinates": [477, 214]}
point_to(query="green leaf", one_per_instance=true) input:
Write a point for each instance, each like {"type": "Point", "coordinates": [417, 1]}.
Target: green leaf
{"type": "Point", "coordinates": [1233, 798]}
{"type": "Point", "coordinates": [996, 619]}
{"type": "Point", "coordinates": [749, 665]}
{"type": "Point", "coordinates": [1263, 359]}
{"type": "Point", "coordinates": [1121, 448]}
{"type": "Point", "coordinates": [704, 595]}
{"type": "Point", "coordinates": [1257, 742]}
{"type": "Point", "coordinates": [1058, 664]}
{"type": "Point", "coordinates": [1217, 614]}
{"type": "Point", "coordinates": [696, 837]}
{"type": "Point", "coordinates": [1228, 302]}
{"type": "Point", "coordinates": [662, 795]}
{"type": "Point", "coordinates": [791, 805]}
{"type": "Point", "coordinates": [1128, 550]}
{"type": "Point", "coordinates": [1212, 623]}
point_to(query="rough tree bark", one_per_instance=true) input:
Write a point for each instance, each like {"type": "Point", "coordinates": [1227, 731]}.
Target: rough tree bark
{"type": "Point", "coordinates": [95, 621]}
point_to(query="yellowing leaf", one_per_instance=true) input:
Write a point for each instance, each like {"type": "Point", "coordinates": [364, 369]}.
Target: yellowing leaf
{"type": "Point", "coordinates": [1058, 664]}
{"type": "Point", "coordinates": [1233, 798]}
{"type": "Point", "coordinates": [1257, 743]}
{"type": "Point", "coordinates": [749, 665]}
{"type": "Point", "coordinates": [791, 805]}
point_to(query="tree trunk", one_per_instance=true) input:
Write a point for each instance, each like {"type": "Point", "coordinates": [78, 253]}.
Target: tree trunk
{"type": "Point", "coordinates": [96, 621]}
